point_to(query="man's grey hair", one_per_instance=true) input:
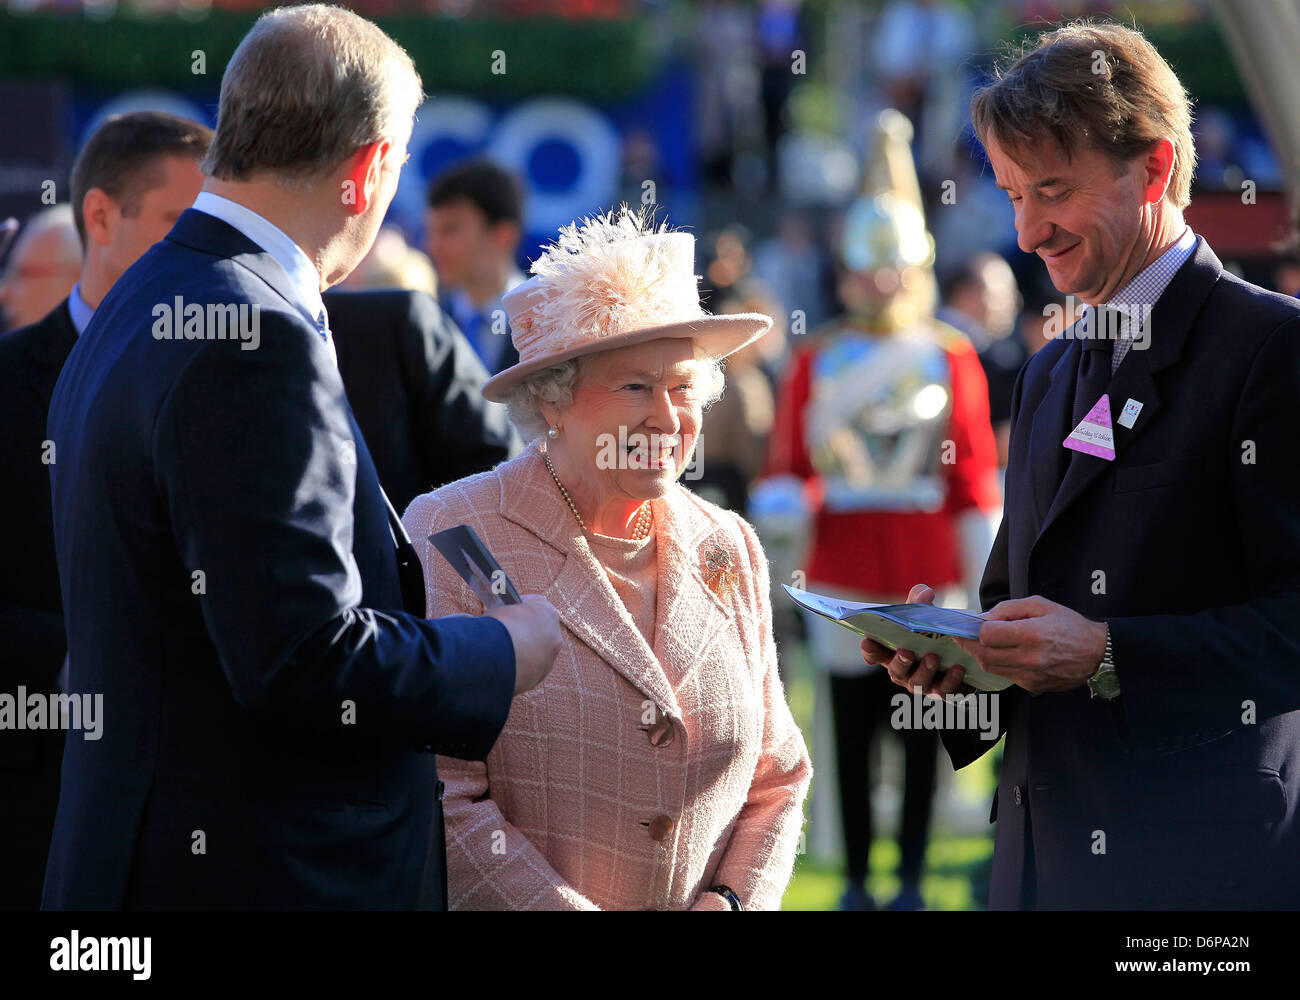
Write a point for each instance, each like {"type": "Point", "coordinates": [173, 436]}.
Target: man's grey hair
{"type": "Point", "coordinates": [555, 385]}
{"type": "Point", "coordinates": [308, 87]}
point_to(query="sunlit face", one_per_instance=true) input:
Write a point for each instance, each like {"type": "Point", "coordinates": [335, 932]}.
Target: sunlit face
{"type": "Point", "coordinates": [635, 418]}
{"type": "Point", "coordinates": [129, 236]}
{"type": "Point", "coordinates": [461, 241]}
{"type": "Point", "coordinates": [1090, 220]}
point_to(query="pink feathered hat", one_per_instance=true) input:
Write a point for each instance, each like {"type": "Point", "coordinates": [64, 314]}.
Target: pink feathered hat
{"type": "Point", "coordinates": [611, 281]}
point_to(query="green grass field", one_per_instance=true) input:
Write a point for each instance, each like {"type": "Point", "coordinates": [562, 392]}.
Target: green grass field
{"type": "Point", "coordinates": [952, 864]}
{"type": "Point", "coordinates": [956, 861]}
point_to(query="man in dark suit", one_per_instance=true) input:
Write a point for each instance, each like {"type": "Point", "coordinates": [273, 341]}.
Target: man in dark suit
{"type": "Point", "coordinates": [227, 557]}
{"type": "Point", "coordinates": [413, 382]}
{"type": "Point", "coordinates": [1144, 588]}
{"type": "Point", "coordinates": [131, 180]}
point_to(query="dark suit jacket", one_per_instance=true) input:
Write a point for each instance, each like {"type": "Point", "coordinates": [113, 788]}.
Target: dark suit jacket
{"type": "Point", "coordinates": [32, 644]}
{"type": "Point", "coordinates": [1183, 792]}
{"type": "Point", "coordinates": [230, 585]}
{"type": "Point", "coordinates": [413, 381]}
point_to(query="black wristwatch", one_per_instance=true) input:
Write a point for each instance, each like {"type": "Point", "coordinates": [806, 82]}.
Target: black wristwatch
{"type": "Point", "coordinates": [725, 892]}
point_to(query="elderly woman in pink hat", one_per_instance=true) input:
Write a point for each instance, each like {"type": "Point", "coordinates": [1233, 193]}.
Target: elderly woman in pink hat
{"type": "Point", "coordinates": [657, 766]}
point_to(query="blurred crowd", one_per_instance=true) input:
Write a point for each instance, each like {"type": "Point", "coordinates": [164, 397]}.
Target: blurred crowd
{"type": "Point", "coordinates": [791, 169]}
{"type": "Point", "coordinates": [370, 8]}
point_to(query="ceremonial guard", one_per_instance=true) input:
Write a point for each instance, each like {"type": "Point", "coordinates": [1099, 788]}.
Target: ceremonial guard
{"type": "Point", "coordinates": [882, 434]}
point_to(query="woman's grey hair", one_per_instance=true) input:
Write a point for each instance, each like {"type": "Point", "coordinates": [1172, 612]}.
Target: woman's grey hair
{"type": "Point", "coordinates": [555, 385]}
{"type": "Point", "coordinates": [306, 88]}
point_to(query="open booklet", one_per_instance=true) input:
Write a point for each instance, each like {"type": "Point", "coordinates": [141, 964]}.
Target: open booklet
{"type": "Point", "coordinates": [922, 628]}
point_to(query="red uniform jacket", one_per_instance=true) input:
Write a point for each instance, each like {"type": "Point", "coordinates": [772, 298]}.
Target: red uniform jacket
{"type": "Point", "coordinates": [883, 553]}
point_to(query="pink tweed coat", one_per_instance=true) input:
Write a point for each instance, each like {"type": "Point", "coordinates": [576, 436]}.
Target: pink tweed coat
{"type": "Point", "coordinates": [632, 777]}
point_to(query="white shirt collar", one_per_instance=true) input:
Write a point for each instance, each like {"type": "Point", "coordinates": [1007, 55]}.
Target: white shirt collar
{"type": "Point", "coordinates": [80, 312]}
{"type": "Point", "coordinates": [302, 272]}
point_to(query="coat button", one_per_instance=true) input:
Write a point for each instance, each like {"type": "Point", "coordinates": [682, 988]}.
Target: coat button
{"type": "Point", "coordinates": [661, 735]}
{"type": "Point", "coordinates": [661, 827]}
{"type": "Point", "coordinates": [1019, 797]}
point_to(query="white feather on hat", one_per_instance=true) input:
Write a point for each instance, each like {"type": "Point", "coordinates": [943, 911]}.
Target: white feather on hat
{"type": "Point", "coordinates": [608, 273]}
{"type": "Point", "coordinates": [612, 280]}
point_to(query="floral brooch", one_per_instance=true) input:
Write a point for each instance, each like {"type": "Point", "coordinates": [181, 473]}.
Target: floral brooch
{"type": "Point", "coordinates": [719, 571]}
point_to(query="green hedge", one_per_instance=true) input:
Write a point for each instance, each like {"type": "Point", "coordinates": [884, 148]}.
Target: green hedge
{"type": "Point", "coordinates": [595, 59]}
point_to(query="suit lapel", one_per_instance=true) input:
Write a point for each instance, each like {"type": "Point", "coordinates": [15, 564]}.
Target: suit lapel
{"type": "Point", "coordinates": [1051, 423]}
{"type": "Point", "coordinates": [1131, 381]}
{"type": "Point", "coordinates": [591, 609]}
{"type": "Point", "coordinates": [689, 614]}
{"type": "Point", "coordinates": [586, 601]}
{"type": "Point", "coordinates": [1171, 322]}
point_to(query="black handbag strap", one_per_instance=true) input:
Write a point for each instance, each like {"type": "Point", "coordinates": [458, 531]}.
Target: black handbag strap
{"type": "Point", "coordinates": [409, 572]}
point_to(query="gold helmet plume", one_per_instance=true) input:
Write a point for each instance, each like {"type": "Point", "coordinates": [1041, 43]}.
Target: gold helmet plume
{"type": "Point", "coordinates": [885, 226]}
{"type": "Point", "coordinates": [888, 282]}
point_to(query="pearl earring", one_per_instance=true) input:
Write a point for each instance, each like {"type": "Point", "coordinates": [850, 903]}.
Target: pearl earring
{"type": "Point", "coordinates": [553, 433]}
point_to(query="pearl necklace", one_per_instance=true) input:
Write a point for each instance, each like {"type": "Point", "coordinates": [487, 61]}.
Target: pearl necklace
{"type": "Point", "coordinates": [640, 529]}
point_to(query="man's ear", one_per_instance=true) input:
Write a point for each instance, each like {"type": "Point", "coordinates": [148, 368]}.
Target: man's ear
{"type": "Point", "coordinates": [361, 180]}
{"type": "Point", "coordinates": [1159, 167]}
{"type": "Point", "coordinates": [100, 214]}
{"type": "Point", "coordinates": [506, 236]}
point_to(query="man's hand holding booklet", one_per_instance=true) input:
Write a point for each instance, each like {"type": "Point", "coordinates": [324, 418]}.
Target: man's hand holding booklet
{"type": "Point", "coordinates": [921, 628]}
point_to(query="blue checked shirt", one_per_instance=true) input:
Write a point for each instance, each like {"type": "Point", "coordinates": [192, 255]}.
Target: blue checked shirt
{"type": "Point", "coordinates": [1141, 293]}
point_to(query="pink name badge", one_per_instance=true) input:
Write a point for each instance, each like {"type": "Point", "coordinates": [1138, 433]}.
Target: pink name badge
{"type": "Point", "coordinates": [1094, 435]}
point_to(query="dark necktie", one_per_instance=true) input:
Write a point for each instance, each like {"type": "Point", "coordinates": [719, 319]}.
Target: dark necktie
{"type": "Point", "coordinates": [1090, 382]}
{"type": "Point", "coordinates": [1094, 364]}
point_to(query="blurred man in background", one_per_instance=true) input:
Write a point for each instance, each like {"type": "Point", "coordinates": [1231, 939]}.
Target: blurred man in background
{"type": "Point", "coordinates": [393, 263]}
{"type": "Point", "coordinates": [42, 268]}
{"type": "Point", "coordinates": [740, 422]}
{"type": "Point", "coordinates": [134, 176]}
{"type": "Point", "coordinates": [474, 225]}
{"type": "Point", "coordinates": [412, 378]}
{"type": "Point", "coordinates": [980, 298]}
